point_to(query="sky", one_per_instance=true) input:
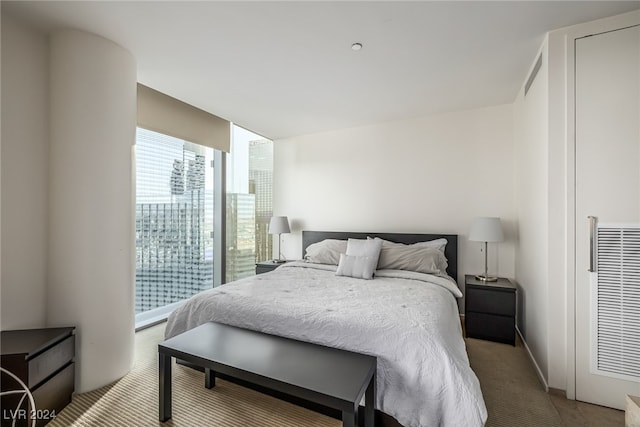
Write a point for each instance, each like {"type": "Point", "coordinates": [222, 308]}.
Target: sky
{"type": "Point", "coordinates": [238, 160]}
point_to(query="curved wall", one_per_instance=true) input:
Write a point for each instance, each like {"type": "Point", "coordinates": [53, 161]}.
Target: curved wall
{"type": "Point", "coordinates": [93, 125]}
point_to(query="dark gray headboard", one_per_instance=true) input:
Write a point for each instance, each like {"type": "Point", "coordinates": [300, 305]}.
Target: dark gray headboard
{"type": "Point", "coordinates": [451, 251]}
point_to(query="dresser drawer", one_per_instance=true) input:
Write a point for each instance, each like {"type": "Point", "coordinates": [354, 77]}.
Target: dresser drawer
{"type": "Point", "coordinates": [52, 396]}
{"type": "Point", "coordinates": [490, 327]}
{"type": "Point", "coordinates": [48, 362]}
{"type": "Point", "coordinates": [491, 301]}
{"type": "Point", "coordinates": [43, 360]}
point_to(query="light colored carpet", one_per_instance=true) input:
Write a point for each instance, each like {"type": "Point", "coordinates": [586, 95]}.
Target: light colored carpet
{"type": "Point", "coordinates": [510, 388]}
{"type": "Point", "coordinates": [512, 393]}
{"type": "Point", "coordinates": [133, 400]}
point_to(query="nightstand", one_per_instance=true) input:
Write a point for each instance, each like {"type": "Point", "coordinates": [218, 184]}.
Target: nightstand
{"type": "Point", "coordinates": [267, 266]}
{"type": "Point", "coordinates": [44, 360]}
{"type": "Point", "coordinates": [490, 310]}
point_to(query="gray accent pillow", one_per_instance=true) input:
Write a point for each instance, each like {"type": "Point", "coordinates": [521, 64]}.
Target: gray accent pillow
{"type": "Point", "coordinates": [422, 257]}
{"type": "Point", "coordinates": [366, 248]}
{"type": "Point", "coordinates": [439, 244]}
{"type": "Point", "coordinates": [326, 251]}
{"type": "Point", "coordinates": [359, 267]}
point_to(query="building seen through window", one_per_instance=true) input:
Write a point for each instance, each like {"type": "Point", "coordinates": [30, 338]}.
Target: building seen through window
{"type": "Point", "coordinates": [174, 220]}
{"type": "Point", "coordinates": [175, 216]}
{"type": "Point", "coordinates": [249, 202]}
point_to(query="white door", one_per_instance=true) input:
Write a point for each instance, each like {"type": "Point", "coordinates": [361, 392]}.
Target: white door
{"type": "Point", "coordinates": [607, 187]}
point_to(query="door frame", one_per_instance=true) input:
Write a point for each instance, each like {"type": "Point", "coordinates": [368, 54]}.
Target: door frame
{"type": "Point", "coordinates": [565, 40]}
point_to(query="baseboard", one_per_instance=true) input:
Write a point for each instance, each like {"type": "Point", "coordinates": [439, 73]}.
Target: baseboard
{"type": "Point", "coordinates": [558, 392]}
{"type": "Point", "coordinates": [632, 412]}
{"type": "Point", "coordinates": [154, 316]}
{"type": "Point", "coordinates": [148, 324]}
{"type": "Point", "coordinates": [541, 378]}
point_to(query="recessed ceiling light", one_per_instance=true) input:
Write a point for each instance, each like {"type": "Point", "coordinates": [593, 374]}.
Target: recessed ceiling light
{"type": "Point", "coordinates": [356, 46]}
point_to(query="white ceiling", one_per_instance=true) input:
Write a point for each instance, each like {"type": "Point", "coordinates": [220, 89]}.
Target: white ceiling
{"type": "Point", "coordinates": [283, 69]}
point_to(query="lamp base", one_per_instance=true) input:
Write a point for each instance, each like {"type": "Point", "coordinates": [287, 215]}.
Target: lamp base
{"type": "Point", "coordinates": [484, 278]}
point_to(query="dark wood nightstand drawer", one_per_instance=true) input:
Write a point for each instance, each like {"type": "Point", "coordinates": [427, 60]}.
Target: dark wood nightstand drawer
{"type": "Point", "coordinates": [490, 327]}
{"type": "Point", "coordinates": [262, 269]}
{"type": "Point", "coordinates": [45, 364]}
{"type": "Point", "coordinates": [490, 309]}
{"type": "Point", "coordinates": [491, 301]}
{"type": "Point", "coordinates": [55, 394]}
{"type": "Point", "coordinates": [267, 266]}
{"type": "Point", "coordinates": [43, 360]}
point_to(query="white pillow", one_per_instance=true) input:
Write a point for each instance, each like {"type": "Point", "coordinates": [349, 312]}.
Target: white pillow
{"type": "Point", "coordinates": [439, 244]}
{"type": "Point", "coordinates": [365, 247]}
{"type": "Point", "coordinates": [359, 267]}
{"type": "Point", "coordinates": [326, 251]}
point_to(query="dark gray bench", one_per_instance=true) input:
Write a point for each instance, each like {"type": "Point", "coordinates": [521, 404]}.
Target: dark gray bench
{"type": "Point", "coordinates": [324, 375]}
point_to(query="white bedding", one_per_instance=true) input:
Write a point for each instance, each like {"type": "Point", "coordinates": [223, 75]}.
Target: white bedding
{"type": "Point", "coordinates": [408, 320]}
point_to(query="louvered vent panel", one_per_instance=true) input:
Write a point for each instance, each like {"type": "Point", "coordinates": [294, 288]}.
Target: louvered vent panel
{"type": "Point", "coordinates": [618, 302]}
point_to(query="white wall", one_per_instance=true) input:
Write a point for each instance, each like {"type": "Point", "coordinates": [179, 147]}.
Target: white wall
{"type": "Point", "coordinates": [545, 255]}
{"type": "Point", "coordinates": [531, 115]}
{"type": "Point", "coordinates": [559, 200]}
{"type": "Point", "coordinates": [562, 221]}
{"type": "Point", "coordinates": [24, 172]}
{"type": "Point", "coordinates": [69, 119]}
{"type": "Point", "coordinates": [91, 259]}
{"type": "Point", "coordinates": [430, 174]}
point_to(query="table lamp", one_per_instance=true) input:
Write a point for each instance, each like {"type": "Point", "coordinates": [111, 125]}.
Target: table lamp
{"type": "Point", "coordinates": [279, 225]}
{"type": "Point", "coordinates": [486, 229]}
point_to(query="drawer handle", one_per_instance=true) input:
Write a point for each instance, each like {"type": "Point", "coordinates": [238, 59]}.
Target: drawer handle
{"type": "Point", "coordinates": [593, 225]}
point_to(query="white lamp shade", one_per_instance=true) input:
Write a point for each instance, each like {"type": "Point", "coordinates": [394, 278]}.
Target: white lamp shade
{"type": "Point", "coordinates": [279, 225]}
{"type": "Point", "coordinates": [486, 229]}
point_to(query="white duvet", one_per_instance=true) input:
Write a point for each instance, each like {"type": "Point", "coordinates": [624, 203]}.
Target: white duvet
{"type": "Point", "coordinates": [408, 320]}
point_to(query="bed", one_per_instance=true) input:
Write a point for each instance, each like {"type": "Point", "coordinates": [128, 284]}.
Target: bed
{"type": "Point", "coordinates": [409, 320]}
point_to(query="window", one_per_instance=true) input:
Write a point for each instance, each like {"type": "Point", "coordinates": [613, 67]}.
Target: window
{"type": "Point", "coordinates": [249, 202]}
{"type": "Point", "coordinates": [175, 216]}
{"type": "Point", "coordinates": [174, 223]}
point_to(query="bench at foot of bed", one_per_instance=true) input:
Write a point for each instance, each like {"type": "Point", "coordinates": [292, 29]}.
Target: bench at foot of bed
{"type": "Point", "coordinates": [324, 375]}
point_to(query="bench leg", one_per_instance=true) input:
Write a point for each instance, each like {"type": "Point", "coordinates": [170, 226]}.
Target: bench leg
{"type": "Point", "coordinates": [209, 378]}
{"type": "Point", "coordinates": [349, 419]}
{"type": "Point", "coordinates": [164, 383]}
{"type": "Point", "coordinates": [370, 403]}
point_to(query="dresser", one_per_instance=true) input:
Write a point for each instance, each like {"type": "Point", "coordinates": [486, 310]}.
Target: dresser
{"type": "Point", "coordinates": [490, 310]}
{"type": "Point", "coordinates": [43, 359]}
